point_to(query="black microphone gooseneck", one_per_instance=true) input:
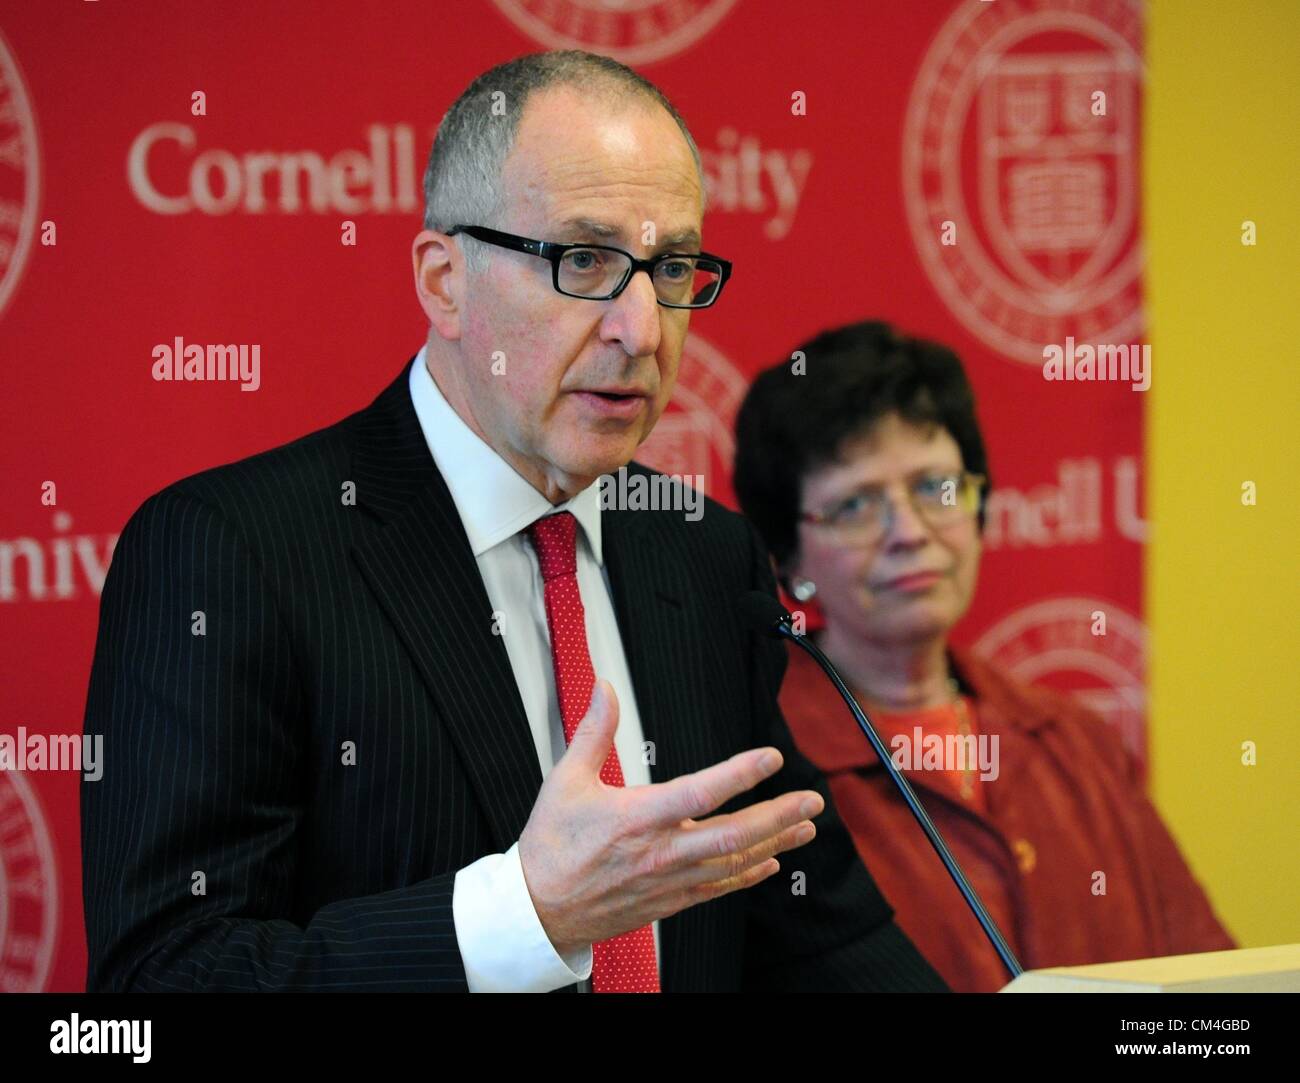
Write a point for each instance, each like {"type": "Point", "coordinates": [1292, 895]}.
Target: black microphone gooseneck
{"type": "Point", "coordinates": [767, 615]}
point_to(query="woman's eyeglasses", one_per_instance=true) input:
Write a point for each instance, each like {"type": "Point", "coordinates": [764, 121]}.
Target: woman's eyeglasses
{"type": "Point", "coordinates": [940, 499]}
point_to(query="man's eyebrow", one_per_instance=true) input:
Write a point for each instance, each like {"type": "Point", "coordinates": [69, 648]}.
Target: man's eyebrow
{"type": "Point", "coordinates": [682, 236]}
{"type": "Point", "coordinates": [591, 229]}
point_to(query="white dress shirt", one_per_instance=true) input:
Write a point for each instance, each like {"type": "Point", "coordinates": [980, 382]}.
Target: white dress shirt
{"type": "Point", "coordinates": [502, 942]}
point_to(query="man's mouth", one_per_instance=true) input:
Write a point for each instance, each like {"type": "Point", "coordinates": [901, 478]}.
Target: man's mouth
{"type": "Point", "coordinates": [620, 391]}
{"type": "Point", "coordinates": [616, 403]}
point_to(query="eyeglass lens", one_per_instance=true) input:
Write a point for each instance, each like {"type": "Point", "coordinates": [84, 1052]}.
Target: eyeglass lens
{"type": "Point", "coordinates": [597, 273]}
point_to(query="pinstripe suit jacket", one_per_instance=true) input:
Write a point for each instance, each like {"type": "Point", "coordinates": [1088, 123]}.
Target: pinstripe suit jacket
{"type": "Point", "coordinates": [229, 846]}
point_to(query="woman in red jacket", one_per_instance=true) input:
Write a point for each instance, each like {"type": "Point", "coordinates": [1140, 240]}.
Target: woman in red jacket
{"type": "Point", "coordinates": [867, 478]}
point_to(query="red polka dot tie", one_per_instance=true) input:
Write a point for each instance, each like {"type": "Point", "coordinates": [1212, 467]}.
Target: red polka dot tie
{"type": "Point", "coordinates": [625, 963]}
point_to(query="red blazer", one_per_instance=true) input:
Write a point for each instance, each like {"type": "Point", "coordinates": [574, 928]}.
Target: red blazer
{"type": "Point", "coordinates": [1066, 804]}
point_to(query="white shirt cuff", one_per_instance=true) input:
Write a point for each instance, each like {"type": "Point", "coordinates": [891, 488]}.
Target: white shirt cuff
{"type": "Point", "coordinates": [502, 943]}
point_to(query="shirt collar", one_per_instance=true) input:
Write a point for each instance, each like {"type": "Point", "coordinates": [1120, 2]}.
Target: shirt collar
{"type": "Point", "coordinates": [826, 733]}
{"type": "Point", "coordinates": [493, 499]}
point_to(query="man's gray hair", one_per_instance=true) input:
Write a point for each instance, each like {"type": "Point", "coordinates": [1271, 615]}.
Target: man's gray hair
{"type": "Point", "coordinates": [462, 181]}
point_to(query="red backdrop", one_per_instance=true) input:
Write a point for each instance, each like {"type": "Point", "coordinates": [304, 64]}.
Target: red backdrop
{"type": "Point", "coordinates": [838, 138]}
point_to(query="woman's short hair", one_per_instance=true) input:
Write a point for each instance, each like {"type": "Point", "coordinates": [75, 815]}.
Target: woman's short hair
{"type": "Point", "coordinates": [790, 423]}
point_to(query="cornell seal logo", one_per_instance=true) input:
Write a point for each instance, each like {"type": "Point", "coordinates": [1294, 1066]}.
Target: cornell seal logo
{"type": "Point", "coordinates": [20, 179]}
{"type": "Point", "coordinates": [29, 908]}
{"type": "Point", "coordinates": [632, 31]}
{"type": "Point", "coordinates": [694, 434]}
{"type": "Point", "coordinates": [1056, 643]}
{"type": "Point", "coordinates": [1020, 171]}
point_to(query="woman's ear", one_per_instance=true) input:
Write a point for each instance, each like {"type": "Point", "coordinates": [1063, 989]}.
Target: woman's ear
{"type": "Point", "coordinates": [785, 571]}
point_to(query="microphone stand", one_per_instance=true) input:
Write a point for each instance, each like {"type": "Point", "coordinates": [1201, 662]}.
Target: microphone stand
{"type": "Point", "coordinates": [783, 628]}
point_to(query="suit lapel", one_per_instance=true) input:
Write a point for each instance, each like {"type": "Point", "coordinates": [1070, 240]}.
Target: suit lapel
{"type": "Point", "coordinates": [659, 632]}
{"type": "Point", "coordinates": [662, 634]}
{"type": "Point", "coordinates": [423, 573]}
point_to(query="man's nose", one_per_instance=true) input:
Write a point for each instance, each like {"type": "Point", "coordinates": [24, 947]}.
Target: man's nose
{"type": "Point", "coordinates": [633, 320]}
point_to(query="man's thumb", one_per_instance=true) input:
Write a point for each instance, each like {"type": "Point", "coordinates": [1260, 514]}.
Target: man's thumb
{"type": "Point", "coordinates": [595, 733]}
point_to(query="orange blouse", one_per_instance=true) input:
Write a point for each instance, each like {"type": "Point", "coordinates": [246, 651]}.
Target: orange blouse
{"type": "Point", "coordinates": [1066, 851]}
{"type": "Point", "coordinates": [949, 724]}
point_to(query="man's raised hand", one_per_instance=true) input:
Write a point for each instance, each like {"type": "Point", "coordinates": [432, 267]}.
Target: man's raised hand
{"type": "Point", "coordinates": [601, 860]}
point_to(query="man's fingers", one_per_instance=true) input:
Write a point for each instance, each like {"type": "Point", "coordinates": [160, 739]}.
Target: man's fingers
{"type": "Point", "coordinates": [595, 733]}
{"type": "Point", "coordinates": [699, 793]}
{"type": "Point", "coordinates": [732, 865]}
{"type": "Point", "coordinates": [717, 888]}
{"type": "Point", "coordinates": [725, 836]}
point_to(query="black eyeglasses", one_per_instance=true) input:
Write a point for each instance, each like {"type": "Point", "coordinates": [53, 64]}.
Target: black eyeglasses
{"type": "Point", "coordinates": [596, 272]}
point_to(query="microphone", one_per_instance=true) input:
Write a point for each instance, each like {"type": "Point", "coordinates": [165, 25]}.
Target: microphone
{"type": "Point", "coordinates": [765, 614]}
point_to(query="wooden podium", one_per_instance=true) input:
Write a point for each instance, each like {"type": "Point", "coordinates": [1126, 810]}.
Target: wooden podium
{"type": "Point", "coordinates": [1247, 970]}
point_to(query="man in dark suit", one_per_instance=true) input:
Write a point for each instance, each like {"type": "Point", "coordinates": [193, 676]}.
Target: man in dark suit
{"type": "Point", "coordinates": [346, 686]}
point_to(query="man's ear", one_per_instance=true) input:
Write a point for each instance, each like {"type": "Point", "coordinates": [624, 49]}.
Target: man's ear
{"type": "Point", "coordinates": [439, 267]}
